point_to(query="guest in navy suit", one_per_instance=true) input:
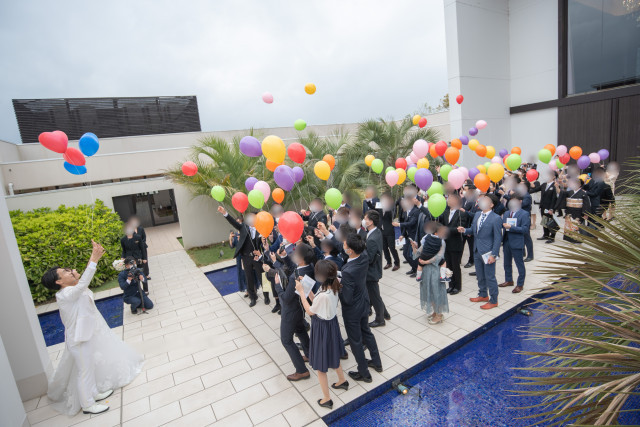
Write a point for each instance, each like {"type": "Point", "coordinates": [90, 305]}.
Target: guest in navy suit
{"type": "Point", "coordinates": [408, 228]}
{"type": "Point", "coordinates": [514, 241]}
{"type": "Point", "coordinates": [371, 199]}
{"type": "Point", "coordinates": [487, 231]}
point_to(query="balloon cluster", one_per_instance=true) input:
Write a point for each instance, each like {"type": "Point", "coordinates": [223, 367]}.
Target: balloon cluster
{"type": "Point", "coordinates": [563, 155]}
{"type": "Point", "coordinates": [74, 160]}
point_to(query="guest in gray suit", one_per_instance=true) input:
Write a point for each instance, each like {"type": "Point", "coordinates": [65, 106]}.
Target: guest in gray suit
{"type": "Point", "coordinates": [486, 229]}
{"type": "Point", "coordinates": [373, 238]}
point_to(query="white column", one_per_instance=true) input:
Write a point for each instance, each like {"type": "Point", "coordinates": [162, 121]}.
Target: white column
{"type": "Point", "coordinates": [19, 326]}
{"type": "Point", "coordinates": [11, 410]}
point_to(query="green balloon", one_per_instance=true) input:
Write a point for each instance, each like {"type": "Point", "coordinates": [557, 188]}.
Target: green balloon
{"type": "Point", "coordinates": [377, 166]}
{"type": "Point", "coordinates": [514, 161]}
{"type": "Point", "coordinates": [217, 192]}
{"type": "Point", "coordinates": [444, 171]}
{"type": "Point", "coordinates": [486, 165]}
{"type": "Point", "coordinates": [412, 172]}
{"type": "Point", "coordinates": [559, 164]}
{"type": "Point", "coordinates": [436, 204]}
{"type": "Point", "coordinates": [256, 198]}
{"type": "Point", "coordinates": [333, 197]}
{"type": "Point", "coordinates": [545, 155]}
{"type": "Point", "coordinates": [300, 124]}
{"type": "Point", "coordinates": [436, 188]}
{"type": "Point", "coordinates": [390, 168]}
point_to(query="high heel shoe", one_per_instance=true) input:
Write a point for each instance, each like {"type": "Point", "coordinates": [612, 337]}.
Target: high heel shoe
{"type": "Point", "coordinates": [327, 404]}
{"type": "Point", "coordinates": [343, 386]}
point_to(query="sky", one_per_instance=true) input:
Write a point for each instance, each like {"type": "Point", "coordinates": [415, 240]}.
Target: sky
{"type": "Point", "coordinates": [368, 59]}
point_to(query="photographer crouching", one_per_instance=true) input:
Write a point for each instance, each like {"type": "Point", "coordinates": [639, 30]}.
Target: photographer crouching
{"type": "Point", "coordinates": [131, 281]}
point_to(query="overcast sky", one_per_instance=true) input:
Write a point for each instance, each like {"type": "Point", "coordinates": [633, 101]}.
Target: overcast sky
{"type": "Point", "coordinates": [367, 59]}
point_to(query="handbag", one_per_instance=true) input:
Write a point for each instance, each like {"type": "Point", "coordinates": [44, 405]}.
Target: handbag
{"type": "Point", "coordinates": [266, 283]}
{"type": "Point", "coordinates": [552, 224]}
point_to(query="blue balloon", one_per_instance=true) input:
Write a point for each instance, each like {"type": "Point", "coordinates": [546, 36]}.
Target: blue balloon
{"type": "Point", "coordinates": [89, 144]}
{"type": "Point", "coordinates": [75, 170]}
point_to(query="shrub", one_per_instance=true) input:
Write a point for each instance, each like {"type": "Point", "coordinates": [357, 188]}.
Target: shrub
{"type": "Point", "coordinates": [63, 237]}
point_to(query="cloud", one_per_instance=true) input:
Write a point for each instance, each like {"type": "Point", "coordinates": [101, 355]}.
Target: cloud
{"type": "Point", "coordinates": [368, 59]}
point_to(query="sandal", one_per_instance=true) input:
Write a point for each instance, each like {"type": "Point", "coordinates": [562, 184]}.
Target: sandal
{"type": "Point", "coordinates": [436, 322]}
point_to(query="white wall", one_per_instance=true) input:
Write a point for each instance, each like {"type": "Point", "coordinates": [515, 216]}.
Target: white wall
{"type": "Point", "coordinates": [11, 410]}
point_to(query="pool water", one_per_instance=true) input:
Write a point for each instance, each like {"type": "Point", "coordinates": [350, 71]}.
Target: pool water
{"type": "Point", "coordinates": [53, 329]}
{"type": "Point", "coordinates": [224, 280]}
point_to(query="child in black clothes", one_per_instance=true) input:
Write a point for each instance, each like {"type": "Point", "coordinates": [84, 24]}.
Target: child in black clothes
{"type": "Point", "coordinates": [431, 243]}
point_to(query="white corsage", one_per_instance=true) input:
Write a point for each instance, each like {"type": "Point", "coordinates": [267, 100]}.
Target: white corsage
{"type": "Point", "coordinates": [118, 264]}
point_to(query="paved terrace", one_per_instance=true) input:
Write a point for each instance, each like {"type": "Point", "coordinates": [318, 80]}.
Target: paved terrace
{"type": "Point", "coordinates": [213, 361]}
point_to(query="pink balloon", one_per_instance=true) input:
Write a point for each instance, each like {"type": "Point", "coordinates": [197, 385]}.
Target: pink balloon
{"type": "Point", "coordinates": [421, 148]}
{"type": "Point", "coordinates": [481, 124]}
{"type": "Point", "coordinates": [392, 178]}
{"type": "Point", "coordinates": [465, 171]}
{"type": "Point", "coordinates": [413, 157]}
{"type": "Point", "coordinates": [264, 189]}
{"type": "Point", "coordinates": [594, 157]}
{"type": "Point", "coordinates": [496, 159]}
{"type": "Point", "coordinates": [553, 166]}
{"type": "Point", "coordinates": [267, 97]}
{"type": "Point", "coordinates": [456, 178]}
{"type": "Point", "coordinates": [409, 161]}
{"type": "Point", "coordinates": [561, 150]}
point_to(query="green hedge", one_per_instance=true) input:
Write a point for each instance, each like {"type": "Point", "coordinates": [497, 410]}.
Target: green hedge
{"type": "Point", "coordinates": [63, 237]}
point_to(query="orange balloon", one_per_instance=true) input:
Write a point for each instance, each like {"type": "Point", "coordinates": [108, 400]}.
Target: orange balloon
{"type": "Point", "coordinates": [264, 223]}
{"type": "Point", "coordinates": [452, 155]}
{"type": "Point", "coordinates": [516, 150]}
{"type": "Point", "coordinates": [575, 152]}
{"type": "Point", "coordinates": [330, 159]}
{"type": "Point", "coordinates": [456, 143]}
{"type": "Point", "coordinates": [482, 181]}
{"type": "Point", "coordinates": [432, 151]}
{"type": "Point", "coordinates": [278, 195]}
{"type": "Point", "coordinates": [272, 165]}
{"type": "Point", "coordinates": [481, 150]}
{"type": "Point", "coordinates": [551, 148]}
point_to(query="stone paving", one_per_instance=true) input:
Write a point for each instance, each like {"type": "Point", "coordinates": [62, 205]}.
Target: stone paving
{"type": "Point", "coordinates": [213, 360]}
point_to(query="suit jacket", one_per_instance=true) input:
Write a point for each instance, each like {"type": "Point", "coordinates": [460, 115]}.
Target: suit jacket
{"type": "Point", "coordinates": [374, 253]}
{"type": "Point", "coordinates": [244, 237]}
{"type": "Point", "coordinates": [489, 237]}
{"type": "Point", "coordinates": [369, 205]}
{"type": "Point", "coordinates": [314, 218]}
{"type": "Point", "coordinates": [527, 202]}
{"type": "Point", "coordinates": [455, 241]}
{"type": "Point", "coordinates": [386, 220]}
{"type": "Point", "coordinates": [353, 296]}
{"type": "Point", "coordinates": [548, 196]}
{"type": "Point", "coordinates": [409, 222]}
{"type": "Point", "coordinates": [291, 307]}
{"type": "Point", "coordinates": [78, 311]}
{"type": "Point", "coordinates": [514, 237]}
{"type": "Point", "coordinates": [424, 216]}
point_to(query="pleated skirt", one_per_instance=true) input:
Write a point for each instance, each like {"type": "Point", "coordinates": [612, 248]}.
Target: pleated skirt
{"type": "Point", "coordinates": [325, 347]}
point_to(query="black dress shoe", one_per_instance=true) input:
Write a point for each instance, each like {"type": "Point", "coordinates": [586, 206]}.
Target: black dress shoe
{"type": "Point", "coordinates": [134, 310]}
{"type": "Point", "coordinates": [542, 238]}
{"type": "Point", "coordinates": [528, 259]}
{"type": "Point", "coordinates": [449, 290]}
{"type": "Point", "coordinates": [473, 273]}
{"type": "Point", "coordinates": [454, 292]}
{"type": "Point", "coordinates": [327, 404]}
{"type": "Point", "coordinates": [376, 324]}
{"type": "Point", "coordinates": [405, 262]}
{"type": "Point", "coordinates": [469, 264]}
{"type": "Point", "coordinates": [344, 356]}
{"type": "Point", "coordinates": [252, 303]}
{"type": "Point", "coordinates": [276, 307]}
{"type": "Point", "coordinates": [266, 300]}
{"type": "Point", "coordinates": [414, 274]}
{"type": "Point", "coordinates": [371, 365]}
{"type": "Point", "coordinates": [148, 277]}
{"type": "Point", "coordinates": [549, 241]}
{"type": "Point", "coordinates": [356, 376]}
{"type": "Point", "coordinates": [410, 272]}
{"type": "Point", "coordinates": [246, 295]}
{"type": "Point", "coordinates": [388, 266]}
{"type": "Point", "coordinates": [387, 316]}
{"type": "Point", "coordinates": [370, 312]}
{"type": "Point", "coordinates": [346, 342]}
{"type": "Point", "coordinates": [343, 386]}
{"type": "Point", "coordinates": [299, 346]}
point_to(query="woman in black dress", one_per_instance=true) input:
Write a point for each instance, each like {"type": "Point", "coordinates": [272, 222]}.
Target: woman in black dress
{"type": "Point", "coordinates": [576, 205]}
{"type": "Point", "coordinates": [325, 347]}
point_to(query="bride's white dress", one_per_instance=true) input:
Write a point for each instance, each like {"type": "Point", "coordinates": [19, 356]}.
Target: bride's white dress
{"type": "Point", "coordinates": [94, 358]}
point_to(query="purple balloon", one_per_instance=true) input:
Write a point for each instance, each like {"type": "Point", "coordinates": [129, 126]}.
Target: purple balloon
{"type": "Point", "coordinates": [603, 153]}
{"type": "Point", "coordinates": [473, 131]}
{"type": "Point", "coordinates": [423, 179]}
{"type": "Point", "coordinates": [250, 146]}
{"type": "Point", "coordinates": [473, 172]}
{"type": "Point", "coordinates": [584, 162]}
{"type": "Point", "coordinates": [250, 182]}
{"type": "Point", "coordinates": [412, 165]}
{"type": "Point", "coordinates": [283, 176]}
{"type": "Point", "coordinates": [298, 173]}
{"type": "Point", "coordinates": [503, 152]}
{"type": "Point", "coordinates": [464, 139]}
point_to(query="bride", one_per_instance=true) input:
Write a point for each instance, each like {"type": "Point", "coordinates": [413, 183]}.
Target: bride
{"type": "Point", "coordinates": [95, 361]}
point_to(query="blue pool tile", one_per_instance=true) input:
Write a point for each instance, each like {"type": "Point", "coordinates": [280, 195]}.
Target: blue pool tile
{"type": "Point", "coordinates": [224, 280]}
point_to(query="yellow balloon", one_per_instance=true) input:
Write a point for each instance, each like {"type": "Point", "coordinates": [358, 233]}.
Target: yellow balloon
{"type": "Point", "coordinates": [423, 163]}
{"type": "Point", "coordinates": [585, 178]}
{"type": "Point", "coordinates": [322, 170]}
{"type": "Point", "coordinates": [416, 119]}
{"type": "Point", "coordinates": [369, 159]}
{"type": "Point", "coordinates": [473, 144]}
{"type": "Point", "coordinates": [310, 88]}
{"type": "Point", "coordinates": [491, 151]}
{"type": "Point", "coordinates": [481, 168]}
{"type": "Point", "coordinates": [495, 172]}
{"type": "Point", "coordinates": [273, 149]}
{"type": "Point", "coordinates": [402, 175]}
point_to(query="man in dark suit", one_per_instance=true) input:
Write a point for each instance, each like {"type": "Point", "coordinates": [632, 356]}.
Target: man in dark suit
{"type": "Point", "coordinates": [371, 200]}
{"type": "Point", "coordinates": [548, 201]}
{"type": "Point", "coordinates": [316, 213]}
{"type": "Point", "coordinates": [598, 191]}
{"type": "Point", "coordinates": [248, 247]}
{"type": "Point", "coordinates": [408, 228]}
{"type": "Point", "coordinates": [516, 222]}
{"type": "Point", "coordinates": [355, 308]}
{"type": "Point", "coordinates": [470, 207]}
{"type": "Point", "coordinates": [373, 237]}
{"type": "Point", "coordinates": [522, 190]}
{"type": "Point", "coordinates": [453, 218]}
{"type": "Point", "coordinates": [487, 230]}
{"type": "Point", "coordinates": [131, 286]}
{"type": "Point", "coordinates": [388, 232]}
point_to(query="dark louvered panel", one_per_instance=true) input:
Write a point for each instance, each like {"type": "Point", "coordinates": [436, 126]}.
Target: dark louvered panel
{"type": "Point", "coordinates": [107, 117]}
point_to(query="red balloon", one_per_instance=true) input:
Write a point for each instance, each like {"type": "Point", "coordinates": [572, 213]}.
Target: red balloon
{"type": "Point", "coordinates": [441, 147]}
{"type": "Point", "coordinates": [189, 168]}
{"type": "Point", "coordinates": [74, 156]}
{"type": "Point", "coordinates": [401, 163]}
{"type": "Point", "coordinates": [297, 152]}
{"type": "Point", "coordinates": [240, 202]}
{"type": "Point", "coordinates": [423, 122]}
{"type": "Point", "coordinates": [459, 99]}
{"type": "Point", "coordinates": [291, 226]}
{"type": "Point", "coordinates": [564, 159]}
{"type": "Point", "coordinates": [55, 141]}
{"type": "Point", "coordinates": [532, 175]}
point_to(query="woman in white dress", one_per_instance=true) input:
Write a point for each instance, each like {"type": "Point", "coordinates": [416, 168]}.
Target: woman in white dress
{"type": "Point", "coordinates": [95, 361]}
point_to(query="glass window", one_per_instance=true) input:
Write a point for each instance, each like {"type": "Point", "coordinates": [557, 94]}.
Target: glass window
{"type": "Point", "coordinates": [603, 46]}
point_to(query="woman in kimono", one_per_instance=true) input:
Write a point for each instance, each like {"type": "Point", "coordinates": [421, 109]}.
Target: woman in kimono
{"type": "Point", "coordinates": [576, 205]}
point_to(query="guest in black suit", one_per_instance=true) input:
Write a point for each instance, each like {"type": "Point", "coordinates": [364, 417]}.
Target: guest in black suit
{"type": "Point", "coordinates": [371, 199]}
{"type": "Point", "coordinates": [408, 228]}
{"type": "Point", "coordinates": [388, 232]}
{"type": "Point", "coordinates": [139, 229]}
{"type": "Point", "coordinates": [355, 308]}
{"type": "Point", "coordinates": [453, 218]}
{"type": "Point", "coordinates": [248, 247]}
{"type": "Point", "coordinates": [373, 237]}
{"type": "Point", "coordinates": [316, 213]}
{"type": "Point", "coordinates": [598, 191]}
{"type": "Point", "coordinates": [469, 207]}
{"type": "Point", "coordinates": [548, 201]}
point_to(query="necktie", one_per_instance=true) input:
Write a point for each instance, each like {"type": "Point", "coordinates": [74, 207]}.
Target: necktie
{"type": "Point", "coordinates": [511, 215]}
{"type": "Point", "coordinates": [482, 218]}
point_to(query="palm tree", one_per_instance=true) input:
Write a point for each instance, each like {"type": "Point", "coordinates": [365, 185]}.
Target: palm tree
{"type": "Point", "coordinates": [592, 315]}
